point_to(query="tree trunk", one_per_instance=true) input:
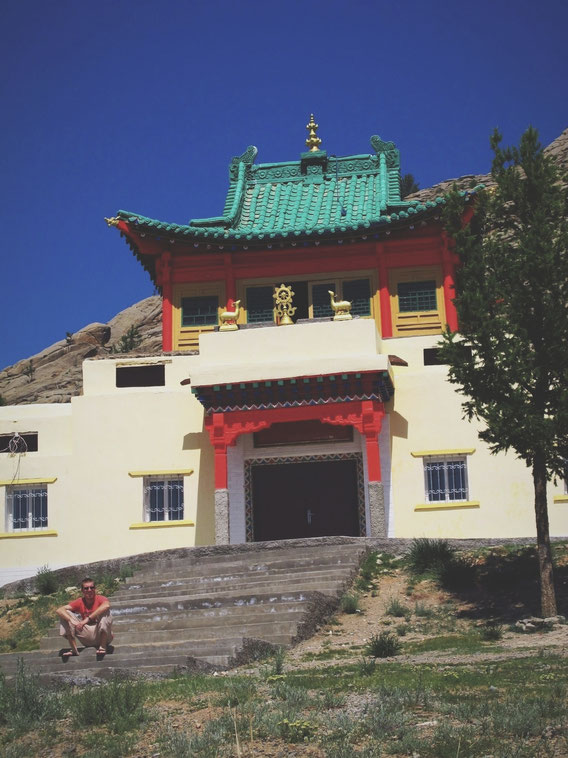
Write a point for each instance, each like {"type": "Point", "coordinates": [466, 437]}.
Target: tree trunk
{"type": "Point", "coordinates": [547, 592]}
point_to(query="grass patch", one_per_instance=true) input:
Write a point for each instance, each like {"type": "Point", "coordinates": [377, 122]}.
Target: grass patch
{"type": "Point", "coordinates": [118, 704]}
{"type": "Point", "coordinates": [349, 603]}
{"type": "Point", "coordinates": [471, 642]}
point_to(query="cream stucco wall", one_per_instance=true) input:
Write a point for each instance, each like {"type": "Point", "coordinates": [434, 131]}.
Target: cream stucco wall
{"type": "Point", "coordinates": [89, 448]}
{"type": "Point", "coordinates": [90, 445]}
{"type": "Point", "coordinates": [425, 415]}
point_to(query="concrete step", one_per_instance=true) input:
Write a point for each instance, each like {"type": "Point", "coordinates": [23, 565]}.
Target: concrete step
{"type": "Point", "coordinates": [260, 629]}
{"type": "Point", "coordinates": [326, 582]}
{"type": "Point", "coordinates": [206, 606]}
{"type": "Point", "coordinates": [184, 604]}
{"type": "Point", "coordinates": [183, 570]}
{"type": "Point", "coordinates": [254, 554]}
{"type": "Point", "coordinates": [199, 621]}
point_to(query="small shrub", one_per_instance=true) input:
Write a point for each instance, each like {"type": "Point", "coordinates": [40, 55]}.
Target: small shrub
{"type": "Point", "coordinates": [401, 629]}
{"type": "Point", "coordinates": [398, 609]}
{"type": "Point", "coordinates": [366, 666]}
{"type": "Point", "coordinates": [297, 731]}
{"type": "Point", "coordinates": [428, 554]}
{"type": "Point", "coordinates": [492, 631]}
{"type": "Point", "coordinates": [349, 603]}
{"type": "Point", "coordinates": [384, 645]}
{"type": "Point", "coordinates": [46, 581]}
{"type": "Point", "coordinates": [278, 661]}
{"type": "Point", "coordinates": [423, 611]}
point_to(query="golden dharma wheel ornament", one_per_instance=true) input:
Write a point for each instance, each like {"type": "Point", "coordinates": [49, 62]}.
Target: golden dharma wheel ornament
{"type": "Point", "coordinates": [313, 141]}
{"type": "Point", "coordinates": [283, 304]}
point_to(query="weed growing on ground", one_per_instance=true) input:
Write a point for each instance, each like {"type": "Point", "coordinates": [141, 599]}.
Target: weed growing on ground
{"type": "Point", "coordinates": [349, 603]}
{"type": "Point", "coordinates": [384, 645]}
{"type": "Point", "coordinates": [423, 611]}
{"type": "Point", "coordinates": [45, 581]}
{"type": "Point", "coordinates": [119, 704]}
{"type": "Point", "coordinates": [278, 661]}
{"type": "Point", "coordinates": [491, 631]}
{"type": "Point", "coordinates": [428, 554]}
{"type": "Point", "coordinates": [26, 702]}
{"type": "Point", "coordinates": [398, 609]}
{"type": "Point", "coordinates": [373, 566]}
{"type": "Point", "coordinates": [366, 666]}
{"type": "Point", "coordinates": [402, 629]}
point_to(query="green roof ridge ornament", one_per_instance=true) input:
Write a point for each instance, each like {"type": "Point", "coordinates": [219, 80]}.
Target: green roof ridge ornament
{"type": "Point", "coordinates": [313, 142]}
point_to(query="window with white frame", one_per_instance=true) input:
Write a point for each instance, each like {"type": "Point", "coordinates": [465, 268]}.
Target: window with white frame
{"type": "Point", "coordinates": [163, 498]}
{"type": "Point", "coordinates": [26, 507]}
{"type": "Point", "coordinates": [445, 478]}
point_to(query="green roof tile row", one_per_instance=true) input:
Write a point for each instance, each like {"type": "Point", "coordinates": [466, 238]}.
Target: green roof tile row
{"type": "Point", "coordinates": [312, 197]}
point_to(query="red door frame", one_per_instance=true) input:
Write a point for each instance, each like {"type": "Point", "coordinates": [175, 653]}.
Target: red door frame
{"type": "Point", "coordinates": [365, 415]}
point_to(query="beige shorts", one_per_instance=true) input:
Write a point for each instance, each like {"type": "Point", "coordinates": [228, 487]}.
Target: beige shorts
{"type": "Point", "coordinates": [91, 633]}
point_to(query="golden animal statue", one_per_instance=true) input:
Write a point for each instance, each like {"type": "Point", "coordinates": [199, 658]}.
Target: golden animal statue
{"type": "Point", "coordinates": [229, 318]}
{"type": "Point", "coordinates": [341, 308]}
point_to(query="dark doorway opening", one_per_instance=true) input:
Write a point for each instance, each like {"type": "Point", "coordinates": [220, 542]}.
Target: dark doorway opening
{"type": "Point", "coordinates": [306, 499]}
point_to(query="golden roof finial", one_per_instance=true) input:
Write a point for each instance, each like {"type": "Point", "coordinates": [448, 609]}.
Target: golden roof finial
{"type": "Point", "coordinates": [313, 141]}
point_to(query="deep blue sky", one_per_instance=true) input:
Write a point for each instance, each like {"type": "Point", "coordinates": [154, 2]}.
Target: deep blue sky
{"type": "Point", "coordinates": [140, 105]}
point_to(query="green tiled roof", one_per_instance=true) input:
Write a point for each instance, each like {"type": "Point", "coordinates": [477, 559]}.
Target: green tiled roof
{"type": "Point", "coordinates": [318, 195]}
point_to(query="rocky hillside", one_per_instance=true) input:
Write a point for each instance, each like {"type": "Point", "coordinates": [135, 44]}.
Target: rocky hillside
{"type": "Point", "coordinates": [54, 375]}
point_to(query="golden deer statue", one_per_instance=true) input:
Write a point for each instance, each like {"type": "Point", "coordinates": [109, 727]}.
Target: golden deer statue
{"type": "Point", "coordinates": [229, 318]}
{"type": "Point", "coordinates": [341, 308]}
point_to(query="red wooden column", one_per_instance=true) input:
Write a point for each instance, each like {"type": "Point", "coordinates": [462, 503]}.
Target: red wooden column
{"type": "Point", "coordinates": [164, 279]}
{"type": "Point", "coordinates": [449, 270]}
{"type": "Point", "coordinates": [384, 293]}
{"type": "Point", "coordinates": [371, 422]}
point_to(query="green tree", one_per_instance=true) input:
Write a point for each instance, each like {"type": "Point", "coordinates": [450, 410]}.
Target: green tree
{"type": "Point", "coordinates": [510, 358]}
{"type": "Point", "coordinates": [408, 185]}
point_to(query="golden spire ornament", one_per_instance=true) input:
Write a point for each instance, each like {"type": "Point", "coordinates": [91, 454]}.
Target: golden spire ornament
{"type": "Point", "coordinates": [313, 141]}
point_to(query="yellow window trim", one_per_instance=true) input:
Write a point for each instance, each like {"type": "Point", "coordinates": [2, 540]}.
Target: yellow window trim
{"type": "Point", "coordinates": [561, 498]}
{"type": "Point", "coordinates": [177, 472]}
{"type": "Point", "coordinates": [412, 323]}
{"type": "Point", "coordinates": [14, 482]}
{"type": "Point", "coordinates": [447, 506]}
{"type": "Point", "coordinates": [19, 535]}
{"type": "Point", "coordinates": [160, 524]}
{"type": "Point", "coordinates": [187, 337]}
{"type": "Point", "coordinates": [456, 451]}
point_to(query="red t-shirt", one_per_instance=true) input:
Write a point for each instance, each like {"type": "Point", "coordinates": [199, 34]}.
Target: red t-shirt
{"type": "Point", "coordinates": [78, 606]}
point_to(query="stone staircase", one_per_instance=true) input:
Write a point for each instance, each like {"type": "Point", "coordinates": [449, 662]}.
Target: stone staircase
{"type": "Point", "coordinates": [212, 609]}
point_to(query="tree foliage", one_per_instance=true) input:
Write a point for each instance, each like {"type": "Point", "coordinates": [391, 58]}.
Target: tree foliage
{"type": "Point", "coordinates": [510, 359]}
{"type": "Point", "coordinates": [408, 185]}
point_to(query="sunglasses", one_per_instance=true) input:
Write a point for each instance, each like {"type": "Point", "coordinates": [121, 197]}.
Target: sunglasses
{"type": "Point", "coordinates": [85, 589]}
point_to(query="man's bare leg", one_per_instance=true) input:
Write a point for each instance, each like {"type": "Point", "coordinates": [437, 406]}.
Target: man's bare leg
{"type": "Point", "coordinates": [72, 644]}
{"type": "Point", "coordinates": [102, 648]}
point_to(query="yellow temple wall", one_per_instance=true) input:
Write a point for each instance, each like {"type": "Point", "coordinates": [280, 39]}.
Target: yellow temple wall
{"type": "Point", "coordinates": [426, 416]}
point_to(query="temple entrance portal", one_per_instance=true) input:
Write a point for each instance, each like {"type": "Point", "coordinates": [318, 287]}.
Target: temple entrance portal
{"type": "Point", "coordinates": [305, 499]}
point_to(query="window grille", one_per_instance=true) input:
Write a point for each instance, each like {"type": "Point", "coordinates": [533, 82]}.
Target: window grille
{"type": "Point", "coordinates": [417, 296]}
{"type": "Point", "coordinates": [446, 479]}
{"type": "Point", "coordinates": [358, 291]}
{"type": "Point", "coordinates": [27, 508]}
{"type": "Point", "coordinates": [260, 304]}
{"type": "Point", "coordinates": [163, 499]}
{"type": "Point", "coordinates": [200, 311]}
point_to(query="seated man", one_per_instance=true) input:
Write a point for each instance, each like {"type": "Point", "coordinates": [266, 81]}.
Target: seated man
{"type": "Point", "coordinates": [86, 619]}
